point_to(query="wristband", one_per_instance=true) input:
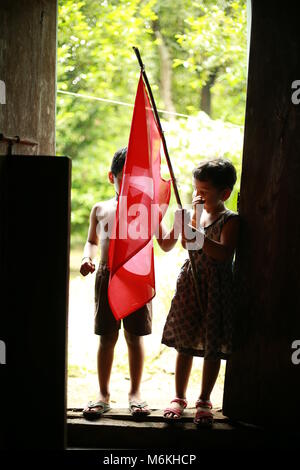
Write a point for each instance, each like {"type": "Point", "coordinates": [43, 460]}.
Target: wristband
{"type": "Point", "coordinates": [88, 257]}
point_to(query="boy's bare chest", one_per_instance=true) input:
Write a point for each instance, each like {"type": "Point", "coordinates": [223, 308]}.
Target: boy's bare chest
{"type": "Point", "coordinates": [106, 215]}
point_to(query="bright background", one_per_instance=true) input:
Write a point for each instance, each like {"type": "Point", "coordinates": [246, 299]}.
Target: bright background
{"type": "Point", "coordinates": [195, 54]}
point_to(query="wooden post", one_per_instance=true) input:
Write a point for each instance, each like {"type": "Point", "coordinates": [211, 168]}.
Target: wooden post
{"type": "Point", "coordinates": [262, 383]}
{"type": "Point", "coordinates": [34, 285]}
{"type": "Point", "coordinates": [28, 70]}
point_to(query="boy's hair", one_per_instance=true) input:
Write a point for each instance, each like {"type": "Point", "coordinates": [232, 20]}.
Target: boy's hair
{"type": "Point", "coordinates": [219, 171]}
{"type": "Point", "coordinates": [118, 161]}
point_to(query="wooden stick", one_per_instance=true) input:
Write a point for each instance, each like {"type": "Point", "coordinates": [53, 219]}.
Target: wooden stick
{"type": "Point", "coordinates": [177, 196]}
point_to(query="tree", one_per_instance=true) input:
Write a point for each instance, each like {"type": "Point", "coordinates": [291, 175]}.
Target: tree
{"type": "Point", "coordinates": [215, 44]}
{"type": "Point", "coordinates": [191, 51]}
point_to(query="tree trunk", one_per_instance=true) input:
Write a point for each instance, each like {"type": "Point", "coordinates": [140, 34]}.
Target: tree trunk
{"type": "Point", "coordinates": [206, 99]}
{"type": "Point", "coordinates": [165, 70]}
{"type": "Point", "coordinates": [206, 93]}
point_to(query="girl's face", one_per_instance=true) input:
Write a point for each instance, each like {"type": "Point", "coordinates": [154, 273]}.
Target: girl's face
{"type": "Point", "coordinates": [211, 195]}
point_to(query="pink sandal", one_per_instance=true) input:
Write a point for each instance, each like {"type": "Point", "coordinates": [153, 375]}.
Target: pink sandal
{"type": "Point", "coordinates": [176, 412]}
{"type": "Point", "coordinates": [204, 417]}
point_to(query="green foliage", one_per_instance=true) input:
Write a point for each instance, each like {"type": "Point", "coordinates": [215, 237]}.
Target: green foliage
{"type": "Point", "coordinates": [214, 41]}
{"type": "Point", "coordinates": [95, 58]}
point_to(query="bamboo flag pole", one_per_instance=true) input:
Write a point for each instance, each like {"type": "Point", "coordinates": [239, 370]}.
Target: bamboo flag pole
{"type": "Point", "coordinates": [178, 200]}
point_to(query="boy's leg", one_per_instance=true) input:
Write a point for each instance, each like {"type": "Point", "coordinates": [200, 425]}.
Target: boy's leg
{"type": "Point", "coordinates": [105, 361]}
{"type": "Point", "coordinates": [105, 358]}
{"type": "Point", "coordinates": [136, 356]}
{"type": "Point", "coordinates": [183, 369]}
{"type": "Point", "coordinates": [136, 325]}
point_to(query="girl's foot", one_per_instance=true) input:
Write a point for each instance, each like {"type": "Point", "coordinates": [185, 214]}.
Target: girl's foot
{"type": "Point", "coordinates": [203, 417]}
{"type": "Point", "coordinates": [175, 411]}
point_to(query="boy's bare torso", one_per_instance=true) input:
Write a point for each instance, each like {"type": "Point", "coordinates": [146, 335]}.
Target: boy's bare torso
{"type": "Point", "coordinates": [105, 215]}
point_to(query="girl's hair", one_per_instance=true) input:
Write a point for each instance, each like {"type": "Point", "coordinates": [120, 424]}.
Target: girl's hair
{"type": "Point", "coordinates": [118, 161]}
{"type": "Point", "coordinates": [219, 171]}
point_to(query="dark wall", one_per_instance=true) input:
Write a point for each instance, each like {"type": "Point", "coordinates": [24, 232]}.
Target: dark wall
{"type": "Point", "coordinates": [262, 384]}
{"type": "Point", "coordinates": [34, 283]}
{"type": "Point", "coordinates": [28, 68]}
{"type": "Point", "coordinates": [34, 233]}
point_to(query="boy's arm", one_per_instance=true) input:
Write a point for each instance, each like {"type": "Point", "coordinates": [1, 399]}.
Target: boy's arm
{"type": "Point", "coordinates": [91, 246]}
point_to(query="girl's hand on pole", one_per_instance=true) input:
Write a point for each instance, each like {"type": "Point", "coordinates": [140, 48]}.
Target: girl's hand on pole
{"type": "Point", "coordinates": [182, 217]}
{"type": "Point", "coordinates": [197, 207]}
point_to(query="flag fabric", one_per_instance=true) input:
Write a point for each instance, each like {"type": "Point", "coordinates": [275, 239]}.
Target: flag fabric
{"type": "Point", "coordinates": [143, 200]}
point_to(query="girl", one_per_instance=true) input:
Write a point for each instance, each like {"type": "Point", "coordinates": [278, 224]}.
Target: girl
{"type": "Point", "coordinates": [204, 332]}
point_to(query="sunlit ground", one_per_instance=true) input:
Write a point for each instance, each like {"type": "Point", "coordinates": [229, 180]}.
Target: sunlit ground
{"type": "Point", "coordinates": [158, 378]}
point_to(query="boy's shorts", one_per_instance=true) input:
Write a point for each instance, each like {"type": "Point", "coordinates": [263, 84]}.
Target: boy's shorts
{"type": "Point", "coordinates": [138, 323]}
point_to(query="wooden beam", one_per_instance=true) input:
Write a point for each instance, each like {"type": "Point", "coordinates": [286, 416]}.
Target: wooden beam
{"type": "Point", "coordinates": [118, 430]}
{"type": "Point", "coordinates": [28, 70]}
{"type": "Point", "coordinates": [262, 383]}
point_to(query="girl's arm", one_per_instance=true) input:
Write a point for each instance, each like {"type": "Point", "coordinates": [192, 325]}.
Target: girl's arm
{"type": "Point", "coordinates": [165, 238]}
{"type": "Point", "coordinates": [222, 250]}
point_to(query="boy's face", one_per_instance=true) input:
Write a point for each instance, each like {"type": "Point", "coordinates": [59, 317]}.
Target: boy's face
{"type": "Point", "coordinates": [209, 193]}
{"type": "Point", "coordinates": [115, 180]}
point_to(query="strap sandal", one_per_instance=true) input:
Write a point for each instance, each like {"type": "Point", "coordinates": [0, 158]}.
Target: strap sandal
{"type": "Point", "coordinates": [138, 408]}
{"type": "Point", "coordinates": [204, 416]}
{"type": "Point", "coordinates": [90, 412]}
{"type": "Point", "coordinates": [176, 412]}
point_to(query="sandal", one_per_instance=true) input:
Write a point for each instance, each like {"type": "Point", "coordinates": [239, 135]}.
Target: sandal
{"type": "Point", "coordinates": [175, 411]}
{"type": "Point", "coordinates": [204, 417]}
{"type": "Point", "coordinates": [138, 408]}
{"type": "Point", "coordinates": [90, 413]}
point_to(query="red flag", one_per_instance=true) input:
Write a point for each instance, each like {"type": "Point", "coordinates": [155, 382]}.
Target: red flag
{"type": "Point", "coordinates": [143, 200]}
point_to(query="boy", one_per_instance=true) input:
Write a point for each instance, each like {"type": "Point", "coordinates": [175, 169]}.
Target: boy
{"type": "Point", "coordinates": [138, 323]}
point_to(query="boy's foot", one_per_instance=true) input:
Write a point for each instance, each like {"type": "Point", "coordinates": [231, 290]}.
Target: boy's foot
{"type": "Point", "coordinates": [204, 416]}
{"type": "Point", "coordinates": [176, 410]}
{"type": "Point", "coordinates": [95, 410]}
{"type": "Point", "coordinates": [137, 407]}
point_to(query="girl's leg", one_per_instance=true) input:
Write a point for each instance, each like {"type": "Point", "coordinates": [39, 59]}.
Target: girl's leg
{"type": "Point", "coordinates": [183, 369]}
{"type": "Point", "coordinates": [209, 376]}
{"type": "Point", "coordinates": [210, 372]}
